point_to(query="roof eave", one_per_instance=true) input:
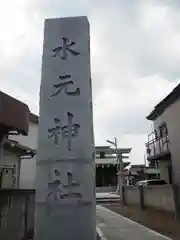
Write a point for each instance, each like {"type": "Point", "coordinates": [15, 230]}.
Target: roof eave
{"type": "Point", "coordinates": [152, 116]}
{"type": "Point", "coordinates": [173, 96]}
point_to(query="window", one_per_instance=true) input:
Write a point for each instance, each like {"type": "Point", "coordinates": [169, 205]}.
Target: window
{"type": "Point", "coordinates": [102, 154]}
{"type": "Point", "coordinates": [155, 134]}
{"type": "Point", "coordinates": [156, 182]}
{"type": "Point", "coordinates": [152, 164]}
{"type": "Point", "coordinates": [163, 132]}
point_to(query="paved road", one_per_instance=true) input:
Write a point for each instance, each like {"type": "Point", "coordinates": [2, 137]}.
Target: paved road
{"type": "Point", "coordinates": [116, 227]}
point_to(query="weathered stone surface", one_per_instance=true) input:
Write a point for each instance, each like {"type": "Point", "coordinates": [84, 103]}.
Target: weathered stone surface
{"type": "Point", "coordinates": [65, 174]}
{"type": "Point", "coordinates": [75, 92]}
{"type": "Point", "coordinates": [65, 222]}
{"type": "Point", "coordinates": [81, 175]}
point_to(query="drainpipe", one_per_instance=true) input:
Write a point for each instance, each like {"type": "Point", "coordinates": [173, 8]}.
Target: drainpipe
{"type": "Point", "coordinates": [2, 138]}
{"type": "Point", "coordinates": [18, 172]}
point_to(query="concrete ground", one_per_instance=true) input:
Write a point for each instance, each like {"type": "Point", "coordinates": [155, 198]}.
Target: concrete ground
{"type": "Point", "coordinates": [112, 226]}
{"type": "Point", "coordinates": [157, 220]}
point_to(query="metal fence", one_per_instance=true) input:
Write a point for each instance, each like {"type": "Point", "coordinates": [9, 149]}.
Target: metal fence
{"type": "Point", "coordinates": [16, 214]}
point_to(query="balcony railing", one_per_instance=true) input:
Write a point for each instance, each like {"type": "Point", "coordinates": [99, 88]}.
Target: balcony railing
{"type": "Point", "coordinates": [157, 147]}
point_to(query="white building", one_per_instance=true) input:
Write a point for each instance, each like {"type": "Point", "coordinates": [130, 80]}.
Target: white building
{"type": "Point", "coordinates": [163, 149]}
{"type": "Point", "coordinates": [13, 121]}
{"type": "Point", "coordinates": [28, 166]}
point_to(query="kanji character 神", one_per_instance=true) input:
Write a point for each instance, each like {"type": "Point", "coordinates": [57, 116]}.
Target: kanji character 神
{"type": "Point", "coordinates": [68, 131]}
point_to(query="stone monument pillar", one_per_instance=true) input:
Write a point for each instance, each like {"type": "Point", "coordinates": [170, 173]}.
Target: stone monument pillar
{"type": "Point", "coordinates": [65, 172]}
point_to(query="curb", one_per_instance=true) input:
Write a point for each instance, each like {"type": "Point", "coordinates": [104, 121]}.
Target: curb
{"type": "Point", "coordinates": [131, 221]}
{"type": "Point", "coordinates": [100, 235]}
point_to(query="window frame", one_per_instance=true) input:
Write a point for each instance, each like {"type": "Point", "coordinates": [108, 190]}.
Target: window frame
{"type": "Point", "coordinates": [163, 127]}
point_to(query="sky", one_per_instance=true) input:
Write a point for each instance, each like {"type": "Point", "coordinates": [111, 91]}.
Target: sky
{"type": "Point", "coordinates": [135, 58]}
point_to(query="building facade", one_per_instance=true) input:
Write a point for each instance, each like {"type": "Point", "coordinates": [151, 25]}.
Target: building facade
{"type": "Point", "coordinates": [18, 145]}
{"type": "Point", "coordinates": [162, 148]}
{"type": "Point", "coordinates": [107, 165]}
{"type": "Point", "coordinates": [28, 165]}
{"type": "Point", "coordinates": [13, 156]}
{"type": "Point", "coordinates": [106, 160]}
{"type": "Point", "coordinates": [139, 172]}
{"type": "Point", "coordinates": [13, 122]}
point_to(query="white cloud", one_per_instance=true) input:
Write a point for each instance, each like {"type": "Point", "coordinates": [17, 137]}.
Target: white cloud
{"type": "Point", "coordinates": [135, 55]}
{"type": "Point", "coordinates": [153, 15]}
{"type": "Point", "coordinates": [15, 27]}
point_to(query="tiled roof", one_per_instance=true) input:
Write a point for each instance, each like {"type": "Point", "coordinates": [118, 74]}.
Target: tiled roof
{"type": "Point", "coordinates": [13, 114]}
{"type": "Point", "coordinates": [23, 150]}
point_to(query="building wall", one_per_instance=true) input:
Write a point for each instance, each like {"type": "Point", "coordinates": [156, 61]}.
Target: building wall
{"type": "Point", "coordinates": [132, 195]}
{"type": "Point", "coordinates": [28, 166]}
{"type": "Point", "coordinates": [7, 180]}
{"type": "Point", "coordinates": [17, 215]}
{"type": "Point", "coordinates": [163, 167]}
{"type": "Point", "coordinates": [31, 139]}
{"type": "Point", "coordinates": [172, 118]}
{"type": "Point", "coordinates": [158, 197]}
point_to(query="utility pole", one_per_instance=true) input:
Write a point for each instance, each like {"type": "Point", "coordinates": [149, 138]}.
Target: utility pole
{"type": "Point", "coordinates": [120, 165]}
{"type": "Point", "coordinates": [117, 160]}
{"type": "Point", "coordinates": [121, 174]}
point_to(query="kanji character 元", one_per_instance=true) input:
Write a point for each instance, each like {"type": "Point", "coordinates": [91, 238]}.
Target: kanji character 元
{"type": "Point", "coordinates": [66, 81]}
